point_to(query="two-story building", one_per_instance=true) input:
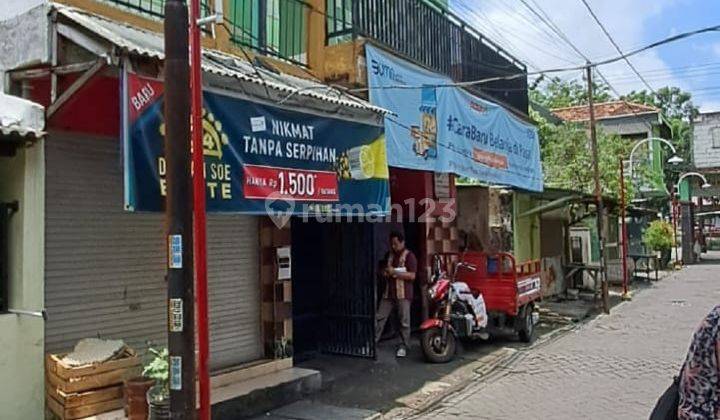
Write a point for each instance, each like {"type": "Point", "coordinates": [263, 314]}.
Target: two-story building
{"type": "Point", "coordinates": [278, 78]}
{"type": "Point", "coordinates": [706, 157]}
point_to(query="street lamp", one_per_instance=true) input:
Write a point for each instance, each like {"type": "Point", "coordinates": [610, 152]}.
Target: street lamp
{"type": "Point", "coordinates": [674, 159]}
{"type": "Point", "coordinates": [675, 212]}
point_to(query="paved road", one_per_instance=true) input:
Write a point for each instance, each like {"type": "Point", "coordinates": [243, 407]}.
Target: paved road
{"type": "Point", "coordinates": [614, 367]}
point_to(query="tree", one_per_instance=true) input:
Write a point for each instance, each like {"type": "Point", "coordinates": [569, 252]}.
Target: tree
{"type": "Point", "coordinates": [558, 93]}
{"type": "Point", "coordinates": [672, 101]}
{"type": "Point", "coordinates": [567, 160]}
{"type": "Point", "coordinates": [679, 111]}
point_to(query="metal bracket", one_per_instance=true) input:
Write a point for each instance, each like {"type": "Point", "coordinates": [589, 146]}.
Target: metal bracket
{"type": "Point", "coordinates": [38, 314]}
{"type": "Point", "coordinates": [217, 18]}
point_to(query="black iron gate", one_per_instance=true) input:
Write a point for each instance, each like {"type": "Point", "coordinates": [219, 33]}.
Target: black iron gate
{"type": "Point", "coordinates": [349, 316]}
{"type": "Point", "coordinates": [334, 287]}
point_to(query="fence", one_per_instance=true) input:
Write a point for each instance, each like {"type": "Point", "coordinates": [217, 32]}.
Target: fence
{"type": "Point", "coordinates": [155, 8]}
{"type": "Point", "coordinates": [431, 36]}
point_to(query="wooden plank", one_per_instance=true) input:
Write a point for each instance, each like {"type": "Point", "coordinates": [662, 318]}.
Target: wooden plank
{"type": "Point", "coordinates": [54, 364]}
{"type": "Point", "coordinates": [77, 399]}
{"type": "Point", "coordinates": [72, 413]}
{"type": "Point", "coordinates": [86, 383]}
{"type": "Point", "coordinates": [55, 407]}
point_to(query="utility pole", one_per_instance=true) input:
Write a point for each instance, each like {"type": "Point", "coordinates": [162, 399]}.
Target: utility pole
{"type": "Point", "coordinates": [598, 193]}
{"type": "Point", "coordinates": [178, 212]}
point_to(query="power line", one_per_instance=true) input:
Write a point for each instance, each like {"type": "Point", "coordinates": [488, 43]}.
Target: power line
{"type": "Point", "coordinates": [617, 47]}
{"type": "Point", "coordinates": [596, 64]}
{"type": "Point", "coordinates": [547, 21]}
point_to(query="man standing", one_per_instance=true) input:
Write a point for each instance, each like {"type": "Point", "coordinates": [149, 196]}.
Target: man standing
{"type": "Point", "coordinates": [399, 274]}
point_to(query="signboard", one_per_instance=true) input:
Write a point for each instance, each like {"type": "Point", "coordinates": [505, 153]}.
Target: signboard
{"type": "Point", "coordinates": [445, 129]}
{"type": "Point", "coordinates": [259, 159]}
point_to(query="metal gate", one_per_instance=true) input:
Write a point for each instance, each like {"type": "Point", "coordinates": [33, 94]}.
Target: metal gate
{"type": "Point", "coordinates": [350, 280]}
{"type": "Point", "coordinates": [334, 284]}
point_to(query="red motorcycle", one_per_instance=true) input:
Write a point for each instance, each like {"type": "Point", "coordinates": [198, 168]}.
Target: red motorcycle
{"type": "Point", "coordinates": [486, 294]}
{"type": "Point", "coordinates": [458, 314]}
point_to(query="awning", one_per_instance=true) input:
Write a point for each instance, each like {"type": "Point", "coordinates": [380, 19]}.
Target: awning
{"type": "Point", "coordinates": [20, 119]}
{"type": "Point", "coordinates": [118, 38]}
{"type": "Point", "coordinates": [555, 204]}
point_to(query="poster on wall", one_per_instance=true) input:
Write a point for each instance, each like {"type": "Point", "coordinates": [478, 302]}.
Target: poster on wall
{"type": "Point", "coordinates": [258, 158]}
{"type": "Point", "coordinates": [446, 129]}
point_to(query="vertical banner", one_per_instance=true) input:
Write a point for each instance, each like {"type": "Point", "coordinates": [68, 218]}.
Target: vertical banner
{"type": "Point", "coordinates": [259, 158]}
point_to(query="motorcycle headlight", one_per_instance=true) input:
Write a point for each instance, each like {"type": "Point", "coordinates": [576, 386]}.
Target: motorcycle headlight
{"type": "Point", "coordinates": [433, 291]}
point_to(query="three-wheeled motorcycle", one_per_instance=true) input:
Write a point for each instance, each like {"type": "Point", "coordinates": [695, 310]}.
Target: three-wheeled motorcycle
{"type": "Point", "coordinates": [475, 295]}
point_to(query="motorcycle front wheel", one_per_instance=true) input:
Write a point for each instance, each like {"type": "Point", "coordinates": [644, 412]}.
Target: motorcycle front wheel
{"type": "Point", "coordinates": [433, 348]}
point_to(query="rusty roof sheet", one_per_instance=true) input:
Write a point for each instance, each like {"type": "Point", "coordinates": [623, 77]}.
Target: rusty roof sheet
{"type": "Point", "coordinates": [605, 110]}
{"type": "Point", "coordinates": [137, 41]}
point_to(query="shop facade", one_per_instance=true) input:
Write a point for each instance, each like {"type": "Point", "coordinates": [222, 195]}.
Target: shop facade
{"type": "Point", "coordinates": [21, 257]}
{"type": "Point", "coordinates": [105, 254]}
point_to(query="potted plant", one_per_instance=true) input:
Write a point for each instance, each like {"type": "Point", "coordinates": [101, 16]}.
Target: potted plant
{"type": "Point", "coordinates": [158, 396]}
{"type": "Point", "coordinates": [659, 238]}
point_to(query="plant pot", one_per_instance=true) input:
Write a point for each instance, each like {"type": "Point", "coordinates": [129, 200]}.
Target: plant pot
{"type": "Point", "coordinates": [665, 256]}
{"type": "Point", "coordinates": [135, 393]}
{"type": "Point", "coordinates": [159, 405]}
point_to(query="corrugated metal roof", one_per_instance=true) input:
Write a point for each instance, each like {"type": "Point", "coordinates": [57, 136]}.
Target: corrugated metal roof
{"type": "Point", "coordinates": [136, 41]}
{"type": "Point", "coordinates": [20, 117]}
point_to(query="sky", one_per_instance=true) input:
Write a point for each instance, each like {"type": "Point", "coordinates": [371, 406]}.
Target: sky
{"type": "Point", "coordinates": [692, 64]}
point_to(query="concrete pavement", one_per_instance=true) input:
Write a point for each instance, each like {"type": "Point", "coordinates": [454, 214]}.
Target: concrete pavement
{"type": "Point", "coordinates": [614, 367]}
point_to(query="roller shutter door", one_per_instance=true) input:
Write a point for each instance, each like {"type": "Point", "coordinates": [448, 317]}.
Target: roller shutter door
{"type": "Point", "coordinates": [234, 290]}
{"type": "Point", "coordinates": [105, 268]}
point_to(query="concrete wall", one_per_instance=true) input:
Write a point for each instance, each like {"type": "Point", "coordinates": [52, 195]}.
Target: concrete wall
{"type": "Point", "coordinates": [706, 156]}
{"type": "Point", "coordinates": [629, 125]}
{"type": "Point", "coordinates": [472, 212]}
{"type": "Point", "coordinates": [21, 336]}
{"type": "Point", "coordinates": [31, 32]}
{"type": "Point", "coordinates": [526, 230]}
{"type": "Point", "coordinates": [13, 8]}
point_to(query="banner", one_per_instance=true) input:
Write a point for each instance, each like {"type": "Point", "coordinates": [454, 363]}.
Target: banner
{"type": "Point", "coordinates": [446, 129]}
{"type": "Point", "coordinates": [259, 159]}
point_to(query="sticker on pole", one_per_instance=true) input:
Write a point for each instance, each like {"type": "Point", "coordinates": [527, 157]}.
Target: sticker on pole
{"type": "Point", "coordinates": [175, 251]}
{"type": "Point", "coordinates": [175, 307]}
{"type": "Point", "coordinates": [176, 373]}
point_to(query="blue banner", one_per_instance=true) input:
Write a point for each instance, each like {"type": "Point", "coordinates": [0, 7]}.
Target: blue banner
{"type": "Point", "coordinates": [260, 159]}
{"type": "Point", "coordinates": [446, 129]}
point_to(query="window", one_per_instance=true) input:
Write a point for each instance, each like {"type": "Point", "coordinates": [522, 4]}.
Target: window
{"type": "Point", "coordinates": [576, 249]}
{"type": "Point", "coordinates": [5, 210]}
{"type": "Point", "coordinates": [715, 135]}
{"type": "Point", "coordinates": [274, 27]}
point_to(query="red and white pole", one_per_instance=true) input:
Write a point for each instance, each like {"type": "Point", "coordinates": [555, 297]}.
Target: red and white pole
{"type": "Point", "coordinates": [199, 215]}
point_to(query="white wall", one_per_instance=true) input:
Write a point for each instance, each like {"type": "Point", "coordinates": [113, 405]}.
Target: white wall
{"type": "Point", "coordinates": [706, 156]}
{"type": "Point", "coordinates": [22, 178]}
{"type": "Point", "coordinates": [24, 34]}
{"type": "Point", "coordinates": [12, 8]}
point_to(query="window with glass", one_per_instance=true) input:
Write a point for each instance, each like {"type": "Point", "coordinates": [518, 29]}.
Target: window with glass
{"type": "Point", "coordinates": [273, 27]}
{"type": "Point", "coordinates": [715, 136]}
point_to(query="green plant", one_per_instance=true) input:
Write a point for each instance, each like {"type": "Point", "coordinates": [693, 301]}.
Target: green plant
{"type": "Point", "coordinates": [158, 368]}
{"type": "Point", "coordinates": [658, 236]}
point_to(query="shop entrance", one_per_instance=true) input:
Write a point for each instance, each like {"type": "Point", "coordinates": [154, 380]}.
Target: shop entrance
{"type": "Point", "coordinates": [335, 272]}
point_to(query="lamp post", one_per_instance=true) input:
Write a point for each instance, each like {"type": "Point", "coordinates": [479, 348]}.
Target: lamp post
{"type": "Point", "coordinates": [626, 293]}
{"type": "Point", "coordinates": [676, 212]}
{"type": "Point", "coordinates": [674, 160]}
